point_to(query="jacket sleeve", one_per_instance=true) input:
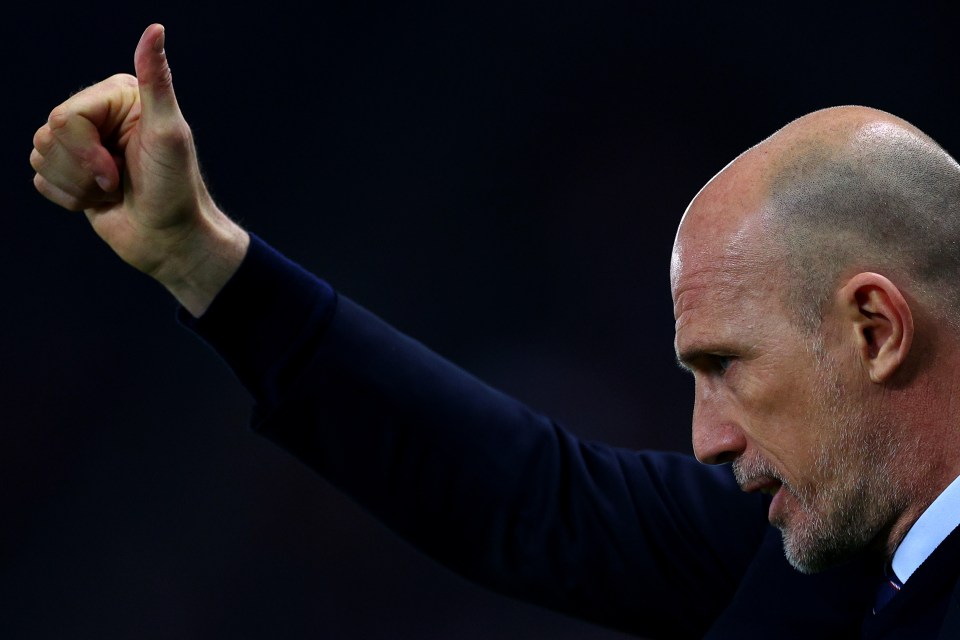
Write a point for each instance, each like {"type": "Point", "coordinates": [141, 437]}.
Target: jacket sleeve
{"type": "Point", "coordinates": [645, 542]}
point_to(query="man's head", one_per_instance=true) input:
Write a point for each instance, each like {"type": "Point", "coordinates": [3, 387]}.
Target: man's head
{"type": "Point", "coordinates": [814, 282]}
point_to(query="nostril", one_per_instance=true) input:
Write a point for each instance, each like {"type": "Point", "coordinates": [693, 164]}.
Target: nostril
{"type": "Point", "coordinates": [724, 458]}
{"type": "Point", "coordinates": [721, 458]}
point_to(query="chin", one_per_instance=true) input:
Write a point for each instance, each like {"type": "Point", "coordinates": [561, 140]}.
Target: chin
{"type": "Point", "coordinates": [812, 549]}
{"type": "Point", "coordinates": [806, 562]}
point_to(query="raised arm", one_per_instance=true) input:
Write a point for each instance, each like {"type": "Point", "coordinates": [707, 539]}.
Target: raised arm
{"type": "Point", "coordinates": [121, 152]}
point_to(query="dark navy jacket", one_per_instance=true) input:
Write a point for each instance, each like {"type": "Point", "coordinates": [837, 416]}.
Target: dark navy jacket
{"type": "Point", "coordinates": [650, 543]}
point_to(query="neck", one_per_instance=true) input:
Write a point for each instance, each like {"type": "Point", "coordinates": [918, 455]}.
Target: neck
{"type": "Point", "coordinates": [926, 480]}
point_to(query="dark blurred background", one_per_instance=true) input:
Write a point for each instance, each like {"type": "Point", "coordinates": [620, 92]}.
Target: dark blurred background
{"type": "Point", "coordinates": [501, 180]}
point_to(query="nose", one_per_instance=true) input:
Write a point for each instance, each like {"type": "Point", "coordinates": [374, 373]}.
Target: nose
{"type": "Point", "coordinates": [717, 438]}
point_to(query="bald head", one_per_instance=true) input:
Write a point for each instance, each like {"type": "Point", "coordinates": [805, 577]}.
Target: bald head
{"type": "Point", "coordinates": [842, 189]}
{"type": "Point", "coordinates": [795, 275]}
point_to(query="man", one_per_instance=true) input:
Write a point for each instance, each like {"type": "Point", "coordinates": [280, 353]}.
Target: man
{"type": "Point", "coordinates": [814, 283]}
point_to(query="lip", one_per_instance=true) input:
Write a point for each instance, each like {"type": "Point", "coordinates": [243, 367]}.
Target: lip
{"type": "Point", "coordinates": [771, 487]}
{"type": "Point", "coordinates": [766, 485]}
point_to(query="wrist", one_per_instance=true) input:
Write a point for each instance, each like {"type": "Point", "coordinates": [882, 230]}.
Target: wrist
{"type": "Point", "coordinates": [203, 263]}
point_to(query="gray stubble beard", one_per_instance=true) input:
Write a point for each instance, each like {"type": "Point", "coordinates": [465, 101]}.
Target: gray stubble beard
{"type": "Point", "coordinates": [858, 495]}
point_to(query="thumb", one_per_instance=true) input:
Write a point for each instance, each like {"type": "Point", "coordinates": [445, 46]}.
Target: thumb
{"type": "Point", "coordinates": [153, 75]}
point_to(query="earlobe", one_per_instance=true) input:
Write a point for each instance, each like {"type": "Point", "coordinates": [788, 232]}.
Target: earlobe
{"type": "Point", "coordinates": [881, 322]}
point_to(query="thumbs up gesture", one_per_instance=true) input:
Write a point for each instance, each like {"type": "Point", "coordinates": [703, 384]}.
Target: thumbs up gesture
{"type": "Point", "coordinates": [121, 152]}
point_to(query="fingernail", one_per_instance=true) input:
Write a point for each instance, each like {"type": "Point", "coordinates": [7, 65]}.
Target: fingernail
{"type": "Point", "coordinates": [103, 183]}
{"type": "Point", "coordinates": [158, 45]}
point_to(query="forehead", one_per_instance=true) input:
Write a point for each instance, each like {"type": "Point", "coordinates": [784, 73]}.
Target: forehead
{"type": "Point", "coordinates": [720, 286]}
{"type": "Point", "coordinates": [723, 238]}
{"type": "Point", "coordinates": [729, 304]}
{"type": "Point", "coordinates": [724, 271]}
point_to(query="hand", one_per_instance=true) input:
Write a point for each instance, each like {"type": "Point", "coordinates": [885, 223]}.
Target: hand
{"type": "Point", "coordinates": [121, 152]}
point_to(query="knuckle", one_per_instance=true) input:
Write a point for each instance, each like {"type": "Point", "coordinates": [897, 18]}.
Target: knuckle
{"type": "Point", "coordinates": [43, 139]}
{"type": "Point", "coordinates": [123, 79]}
{"type": "Point", "coordinates": [116, 82]}
{"type": "Point", "coordinates": [36, 161]}
{"type": "Point", "coordinates": [175, 133]}
{"type": "Point", "coordinates": [59, 117]}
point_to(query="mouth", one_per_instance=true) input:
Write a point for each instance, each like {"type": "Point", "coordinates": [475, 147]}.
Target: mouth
{"type": "Point", "coordinates": [765, 485]}
{"type": "Point", "coordinates": [770, 487]}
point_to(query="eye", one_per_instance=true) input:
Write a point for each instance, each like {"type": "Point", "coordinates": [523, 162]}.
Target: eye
{"type": "Point", "coordinates": [723, 363]}
{"type": "Point", "coordinates": [706, 362]}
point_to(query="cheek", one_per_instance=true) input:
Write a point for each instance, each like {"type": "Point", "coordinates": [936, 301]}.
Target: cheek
{"type": "Point", "coordinates": [777, 411]}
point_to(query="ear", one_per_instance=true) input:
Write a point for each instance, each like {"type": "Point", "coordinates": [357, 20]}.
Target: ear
{"type": "Point", "coordinates": [880, 321]}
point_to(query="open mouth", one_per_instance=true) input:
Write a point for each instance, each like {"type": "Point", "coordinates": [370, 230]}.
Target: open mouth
{"type": "Point", "coordinates": [771, 487]}
{"type": "Point", "coordinates": [766, 485]}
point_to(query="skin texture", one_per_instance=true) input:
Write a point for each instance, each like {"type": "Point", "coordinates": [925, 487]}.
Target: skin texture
{"type": "Point", "coordinates": [121, 152]}
{"type": "Point", "coordinates": [841, 416]}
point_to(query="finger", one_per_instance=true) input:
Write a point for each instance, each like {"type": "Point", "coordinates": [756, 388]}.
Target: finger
{"type": "Point", "coordinates": [55, 194]}
{"type": "Point", "coordinates": [153, 74]}
{"type": "Point", "coordinates": [106, 104]}
{"type": "Point", "coordinates": [68, 201]}
{"type": "Point", "coordinates": [73, 158]}
{"type": "Point", "coordinates": [78, 124]}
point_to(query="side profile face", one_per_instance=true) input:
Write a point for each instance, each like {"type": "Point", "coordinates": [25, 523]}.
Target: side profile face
{"type": "Point", "coordinates": [787, 408]}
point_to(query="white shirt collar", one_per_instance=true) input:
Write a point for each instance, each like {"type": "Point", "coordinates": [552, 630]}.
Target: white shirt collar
{"type": "Point", "coordinates": [931, 528]}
